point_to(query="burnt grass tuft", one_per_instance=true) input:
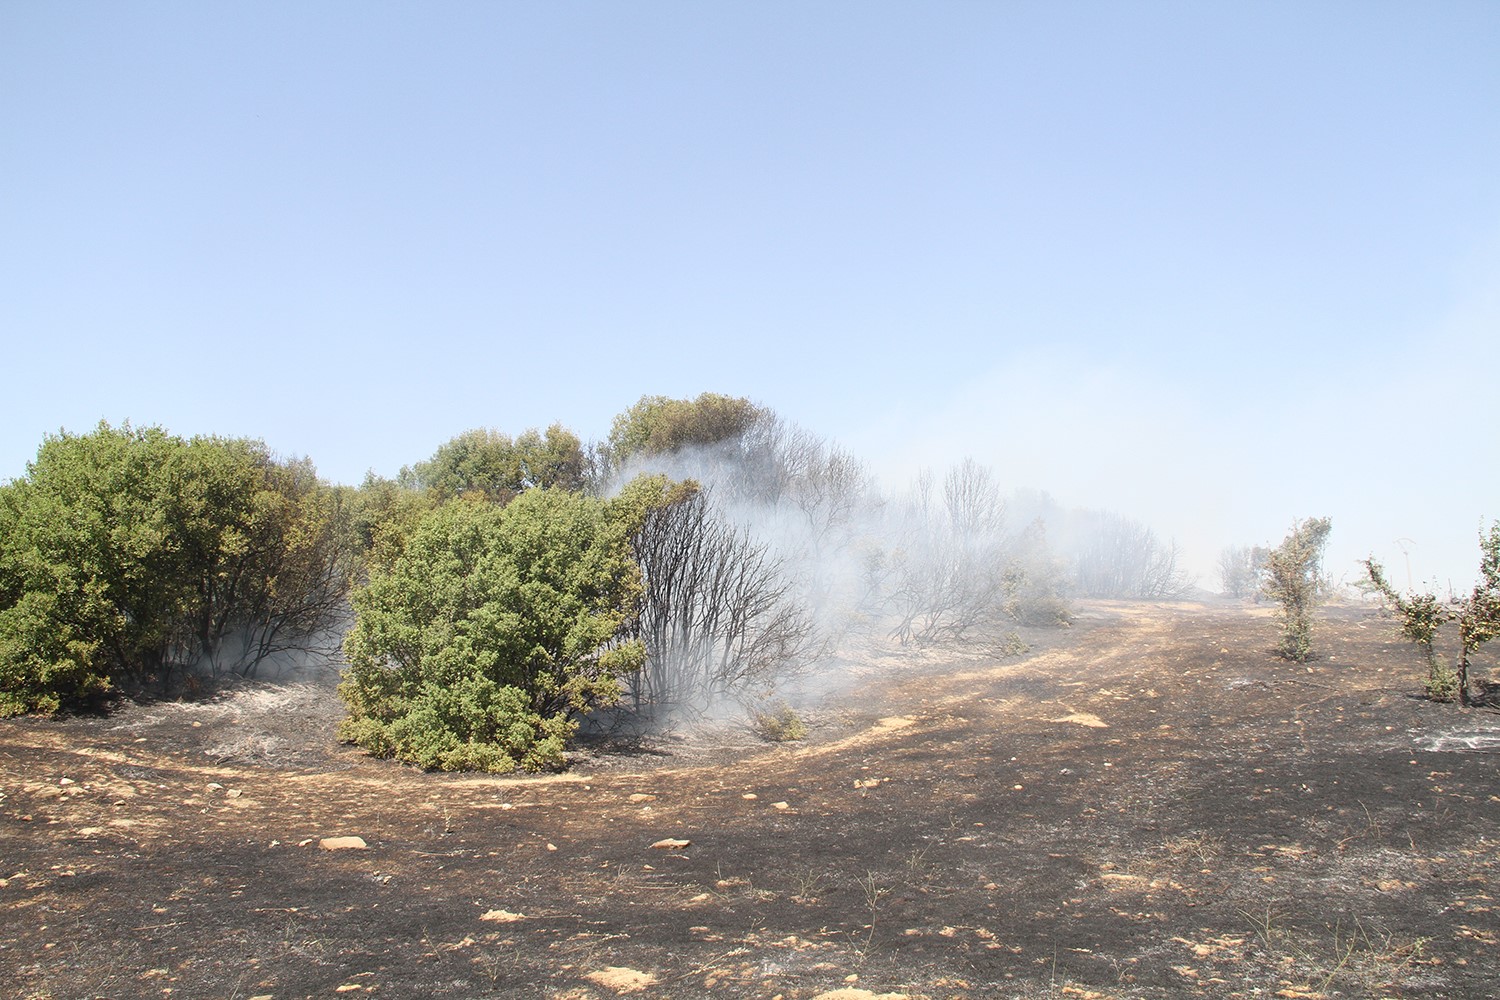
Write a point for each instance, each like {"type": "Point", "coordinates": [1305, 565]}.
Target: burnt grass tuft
{"type": "Point", "coordinates": [1148, 804]}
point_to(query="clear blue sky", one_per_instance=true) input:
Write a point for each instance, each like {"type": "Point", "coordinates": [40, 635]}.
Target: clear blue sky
{"type": "Point", "coordinates": [1213, 265]}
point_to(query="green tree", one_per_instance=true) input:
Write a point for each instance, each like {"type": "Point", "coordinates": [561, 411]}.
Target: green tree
{"type": "Point", "coordinates": [491, 629]}
{"type": "Point", "coordinates": [1422, 616]}
{"type": "Point", "coordinates": [1293, 578]}
{"type": "Point", "coordinates": [658, 424]}
{"type": "Point", "coordinates": [498, 467]}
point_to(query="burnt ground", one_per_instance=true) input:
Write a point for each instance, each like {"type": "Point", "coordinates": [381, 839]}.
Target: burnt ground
{"type": "Point", "coordinates": [1147, 805]}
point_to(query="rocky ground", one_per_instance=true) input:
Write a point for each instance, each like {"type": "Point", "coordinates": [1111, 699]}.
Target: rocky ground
{"type": "Point", "coordinates": [1149, 804]}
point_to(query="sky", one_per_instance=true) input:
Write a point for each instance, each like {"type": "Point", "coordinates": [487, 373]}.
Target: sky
{"type": "Point", "coordinates": [1214, 266]}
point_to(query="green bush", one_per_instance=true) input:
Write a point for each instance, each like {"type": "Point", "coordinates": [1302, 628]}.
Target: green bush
{"type": "Point", "coordinates": [127, 553]}
{"type": "Point", "coordinates": [492, 628]}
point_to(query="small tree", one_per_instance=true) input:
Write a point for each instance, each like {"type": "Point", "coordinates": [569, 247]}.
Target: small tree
{"type": "Point", "coordinates": [1422, 616]}
{"type": "Point", "coordinates": [1240, 569]}
{"type": "Point", "coordinates": [1293, 578]}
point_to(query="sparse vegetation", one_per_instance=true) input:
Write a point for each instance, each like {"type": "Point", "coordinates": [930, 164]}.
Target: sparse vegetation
{"type": "Point", "coordinates": [1119, 557]}
{"type": "Point", "coordinates": [1422, 616]}
{"type": "Point", "coordinates": [779, 724]}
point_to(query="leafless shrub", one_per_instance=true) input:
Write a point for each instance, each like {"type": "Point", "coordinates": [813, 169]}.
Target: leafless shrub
{"type": "Point", "coordinates": [1122, 558]}
{"type": "Point", "coordinates": [718, 614]}
{"type": "Point", "coordinates": [954, 568]}
{"type": "Point", "coordinates": [1240, 568]}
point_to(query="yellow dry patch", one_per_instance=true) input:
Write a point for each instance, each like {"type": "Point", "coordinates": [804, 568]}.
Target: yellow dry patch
{"type": "Point", "coordinates": [621, 979]}
{"type": "Point", "coordinates": [1211, 947]}
{"type": "Point", "coordinates": [502, 916]}
{"type": "Point", "coordinates": [1083, 719]}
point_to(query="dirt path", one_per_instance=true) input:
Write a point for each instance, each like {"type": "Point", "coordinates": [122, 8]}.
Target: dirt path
{"type": "Point", "coordinates": [1149, 806]}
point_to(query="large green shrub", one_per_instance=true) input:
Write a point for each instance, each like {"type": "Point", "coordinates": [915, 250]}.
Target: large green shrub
{"type": "Point", "coordinates": [127, 553]}
{"type": "Point", "coordinates": [493, 627]}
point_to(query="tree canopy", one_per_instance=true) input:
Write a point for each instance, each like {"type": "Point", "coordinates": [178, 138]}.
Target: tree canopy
{"type": "Point", "coordinates": [126, 552]}
{"type": "Point", "coordinates": [498, 467]}
{"type": "Point", "coordinates": [657, 424]}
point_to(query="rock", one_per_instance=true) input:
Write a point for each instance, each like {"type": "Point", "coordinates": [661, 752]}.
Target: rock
{"type": "Point", "coordinates": [781, 805]}
{"type": "Point", "coordinates": [642, 797]}
{"type": "Point", "coordinates": [343, 844]}
{"type": "Point", "coordinates": [749, 796]}
{"type": "Point", "coordinates": [671, 844]}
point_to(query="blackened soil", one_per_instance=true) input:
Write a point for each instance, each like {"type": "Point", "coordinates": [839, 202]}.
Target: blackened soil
{"type": "Point", "coordinates": [1149, 805]}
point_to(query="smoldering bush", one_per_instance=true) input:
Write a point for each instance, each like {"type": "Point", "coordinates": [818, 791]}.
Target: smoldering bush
{"type": "Point", "coordinates": [719, 614]}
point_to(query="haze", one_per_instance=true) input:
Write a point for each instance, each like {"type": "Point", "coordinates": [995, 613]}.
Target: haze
{"type": "Point", "coordinates": [1216, 267]}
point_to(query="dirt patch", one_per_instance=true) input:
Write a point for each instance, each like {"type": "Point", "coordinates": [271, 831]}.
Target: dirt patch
{"type": "Point", "coordinates": [1239, 827]}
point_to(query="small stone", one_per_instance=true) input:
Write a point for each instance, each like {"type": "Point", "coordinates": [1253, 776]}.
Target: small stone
{"type": "Point", "coordinates": [234, 793]}
{"type": "Point", "coordinates": [671, 844]}
{"type": "Point", "coordinates": [66, 781]}
{"type": "Point", "coordinates": [642, 797]}
{"type": "Point", "coordinates": [551, 847]}
{"type": "Point", "coordinates": [749, 796]}
{"type": "Point", "coordinates": [343, 844]}
{"type": "Point", "coordinates": [781, 805]}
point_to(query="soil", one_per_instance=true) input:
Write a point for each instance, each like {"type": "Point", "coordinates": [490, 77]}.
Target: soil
{"type": "Point", "coordinates": [1148, 804]}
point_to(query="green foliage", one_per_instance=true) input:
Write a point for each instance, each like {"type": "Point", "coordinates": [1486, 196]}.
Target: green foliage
{"type": "Point", "coordinates": [1293, 575]}
{"type": "Point", "coordinates": [657, 424]}
{"type": "Point", "coordinates": [125, 553]}
{"type": "Point", "coordinates": [1422, 616]}
{"type": "Point", "coordinates": [779, 724]}
{"type": "Point", "coordinates": [498, 467]}
{"type": "Point", "coordinates": [490, 629]}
